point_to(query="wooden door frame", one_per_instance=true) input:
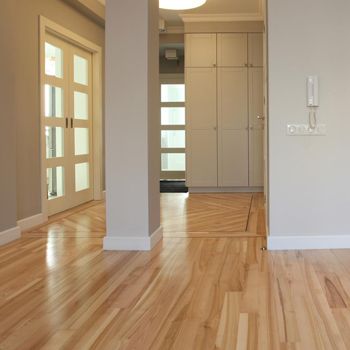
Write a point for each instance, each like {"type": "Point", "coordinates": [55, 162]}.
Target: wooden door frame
{"type": "Point", "coordinates": [48, 26]}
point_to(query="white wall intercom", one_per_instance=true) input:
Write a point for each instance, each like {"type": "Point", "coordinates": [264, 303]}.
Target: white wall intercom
{"type": "Point", "coordinates": [312, 128]}
{"type": "Point", "coordinates": [312, 91]}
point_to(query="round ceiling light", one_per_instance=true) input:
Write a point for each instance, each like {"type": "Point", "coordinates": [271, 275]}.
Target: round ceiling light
{"type": "Point", "coordinates": [180, 4]}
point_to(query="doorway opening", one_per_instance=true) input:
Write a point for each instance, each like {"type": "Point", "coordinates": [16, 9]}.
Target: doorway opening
{"type": "Point", "coordinates": [224, 69]}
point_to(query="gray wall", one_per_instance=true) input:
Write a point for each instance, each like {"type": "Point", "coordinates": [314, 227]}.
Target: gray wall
{"type": "Point", "coordinates": [309, 176]}
{"type": "Point", "coordinates": [7, 119]}
{"type": "Point", "coordinates": [132, 119]}
{"type": "Point", "coordinates": [25, 23]}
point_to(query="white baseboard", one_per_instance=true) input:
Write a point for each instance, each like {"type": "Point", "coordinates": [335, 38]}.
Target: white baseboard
{"type": "Point", "coordinates": [32, 221]}
{"type": "Point", "coordinates": [225, 189]}
{"type": "Point", "coordinates": [133, 243]}
{"type": "Point", "coordinates": [308, 242]}
{"type": "Point", "coordinates": [10, 235]}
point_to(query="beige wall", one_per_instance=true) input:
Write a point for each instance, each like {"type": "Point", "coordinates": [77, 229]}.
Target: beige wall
{"type": "Point", "coordinates": [309, 176]}
{"type": "Point", "coordinates": [7, 120]}
{"type": "Point", "coordinates": [25, 22]}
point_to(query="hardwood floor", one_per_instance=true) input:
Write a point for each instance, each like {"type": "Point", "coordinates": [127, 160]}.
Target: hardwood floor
{"type": "Point", "coordinates": [213, 215]}
{"type": "Point", "coordinates": [60, 290]}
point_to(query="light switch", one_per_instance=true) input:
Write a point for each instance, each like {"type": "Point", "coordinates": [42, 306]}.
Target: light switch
{"type": "Point", "coordinates": [305, 130]}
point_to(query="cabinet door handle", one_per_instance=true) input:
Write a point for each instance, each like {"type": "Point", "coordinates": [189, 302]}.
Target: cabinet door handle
{"type": "Point", "coordinates": [66, 123]}
{"type": "Point", "coordinates": [260, 117]}
{"type": "Point", "coordinates": [71, 123]}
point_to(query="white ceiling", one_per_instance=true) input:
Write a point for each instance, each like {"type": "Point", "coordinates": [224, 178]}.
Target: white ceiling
{"type": "Point", "coordinates": [214, 7]}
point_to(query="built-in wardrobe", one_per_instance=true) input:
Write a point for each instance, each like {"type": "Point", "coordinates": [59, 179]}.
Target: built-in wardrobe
{"type": "Point", "coordinates": [224, 110]}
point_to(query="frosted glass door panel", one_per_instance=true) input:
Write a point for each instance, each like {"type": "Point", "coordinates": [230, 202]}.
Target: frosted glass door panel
{"type": "Point", "coordinates": [81, 176]}
{"type": "Point", "coordinates": [53, 101]}
{"type": "Point", "coordinates": [55, 182]}
{"type": "Point", "coordinates": [173, 93]}
{"type": "Point", "coordinates": [54, 142]}
{"type": "Point", "coordinates": [81, 105]}
{"type": "Point", "coordinates": [81, 72]}
{"type": "Point", "coordinates": [81, 141]}
{"type": "Point", "coordinates": [53, 61]}
{"type": "Point", "coordinates": [173, 162]}
{"type": "Point", "coordinates": [173, 138]}
{"type": "Point", "coordinates": [173, 115]}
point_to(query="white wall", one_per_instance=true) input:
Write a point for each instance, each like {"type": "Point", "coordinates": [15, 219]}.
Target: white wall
{"type": "Point", "coordinates": [309, 176]}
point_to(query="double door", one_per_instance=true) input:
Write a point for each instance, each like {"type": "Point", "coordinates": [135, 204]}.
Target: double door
{"type": "Point", "coordinates": [66, 124]}
{"type": "Point", "coordinates": [224, 101]}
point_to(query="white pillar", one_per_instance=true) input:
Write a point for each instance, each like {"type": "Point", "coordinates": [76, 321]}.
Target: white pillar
{"type": "Point", "coordinates": [132, 125]}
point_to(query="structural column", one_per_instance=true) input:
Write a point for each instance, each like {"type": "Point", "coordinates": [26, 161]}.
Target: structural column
{"type": "Point", "coordinates": [132, 125]}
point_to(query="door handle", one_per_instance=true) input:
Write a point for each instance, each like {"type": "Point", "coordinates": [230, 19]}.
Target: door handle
{"type": "Point", "coordinates": [260, 117]}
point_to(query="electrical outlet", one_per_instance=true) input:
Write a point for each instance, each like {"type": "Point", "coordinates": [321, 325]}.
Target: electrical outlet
{"type": "Point", "coordinates": [305, 130]}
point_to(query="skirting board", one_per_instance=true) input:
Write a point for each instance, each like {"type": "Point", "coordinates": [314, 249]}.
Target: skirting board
{"type": "Point", "coordinates": [133, 243]}
{"type": "Point", "coordinates": [308, 242]}
{"type": "Point", "coordinates": [10, 235]}
{"type": "Point", "coordinates": [32, 221]}
{"type": "Point", "coordinates": [225, 189]}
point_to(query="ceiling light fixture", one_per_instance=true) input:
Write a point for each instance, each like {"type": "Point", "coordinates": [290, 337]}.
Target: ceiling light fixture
{"type": "Point", "coordinates": [180, 4]}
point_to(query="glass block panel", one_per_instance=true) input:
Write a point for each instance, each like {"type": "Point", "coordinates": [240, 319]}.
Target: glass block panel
{"type": "Point", "coordinates": [55, 182]}
{"type": "Point", "coordinates": [173, 115]}
{"type": "Point", "coordinates": [81, 105]}
{"type": "Point", "coordinates": [53, 101]}
{"type": "Point", "coordinates": [53, 61]}
{"type": "Point", "coordinates": [81, 176]}
{"type": "Point", "coordinates": [173, 162]}
{"type": "Point", "coordinates": [173, 139]}
{"type": "Point", "coordinates": [81, 72]}
{"type": "Point", "coordinates": [173, 93]}
{"type": "Point", "coordinates": [54, 142]}
{"type": "Point", "coordinates": [81, 141]}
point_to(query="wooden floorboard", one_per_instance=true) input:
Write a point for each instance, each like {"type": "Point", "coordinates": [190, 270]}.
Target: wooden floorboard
{"type": "Point", "coordinates": [213, 215]}
{"type": "Point", "coordinates": [60, 290]}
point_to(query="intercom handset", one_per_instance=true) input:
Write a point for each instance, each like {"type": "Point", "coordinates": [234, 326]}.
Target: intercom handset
{"type": "Point", "coordinates": [312, 99]}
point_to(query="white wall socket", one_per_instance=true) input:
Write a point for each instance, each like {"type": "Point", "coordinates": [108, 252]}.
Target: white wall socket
{"type": "Point", "coordinates": [305, 130]}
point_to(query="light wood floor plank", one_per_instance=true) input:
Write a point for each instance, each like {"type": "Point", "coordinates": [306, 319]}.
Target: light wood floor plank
{"type": "Point", "coordinates": [207, 285]}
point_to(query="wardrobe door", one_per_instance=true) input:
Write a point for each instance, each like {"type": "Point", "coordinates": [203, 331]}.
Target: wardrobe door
{"type": "Point", "coordinates": [201, 127]}
{"type": "Point", "coordinates": [233, 127]}
{"type": "Point", "coordinates": [256, 127]}
{"type": "Point", "coordinates": [200, 50]}
{"type": "Point", "coordinates": [232, 50]}
{"type": "Point", "coordinates": [255, 49]}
